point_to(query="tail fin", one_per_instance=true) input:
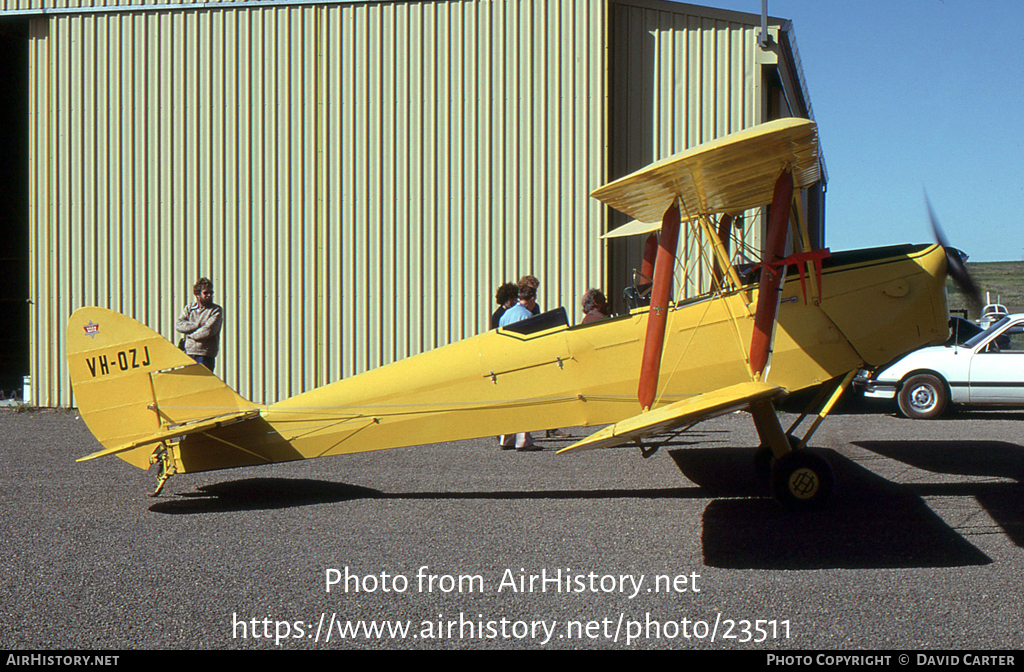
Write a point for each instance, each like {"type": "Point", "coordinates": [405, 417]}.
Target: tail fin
{"type": "Point", "coordinates": [133, 387]}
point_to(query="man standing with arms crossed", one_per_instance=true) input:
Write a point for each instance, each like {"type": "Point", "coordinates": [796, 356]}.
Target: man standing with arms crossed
{"type": "Point", "coordinates": [201, 322]}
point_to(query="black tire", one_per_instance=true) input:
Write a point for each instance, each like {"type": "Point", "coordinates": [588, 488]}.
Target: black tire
{"type": "Point", "coordinates": [923, 397]}
{"type": "Point", "coordinates": [764, 460]}
{"type": "Point", "coordinates": [802, 481]}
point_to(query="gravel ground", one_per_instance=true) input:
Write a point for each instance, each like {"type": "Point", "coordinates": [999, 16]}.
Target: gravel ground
{"type": "Point", "coordinates": [921, 548]}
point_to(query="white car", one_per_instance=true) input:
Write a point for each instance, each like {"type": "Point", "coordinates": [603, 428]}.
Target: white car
{"type": "Point", "coordinates": [987, 369]}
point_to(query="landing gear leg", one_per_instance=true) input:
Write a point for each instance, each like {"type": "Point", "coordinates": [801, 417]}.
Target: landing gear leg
{"type": "Point", "coordinates": [824, 409]}
{"type": "Point", "coordinates": [799, 480]}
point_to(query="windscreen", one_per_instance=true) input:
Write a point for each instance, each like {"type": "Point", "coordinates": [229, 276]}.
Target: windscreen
{"type": "Point", "coordinates": [983, 335]}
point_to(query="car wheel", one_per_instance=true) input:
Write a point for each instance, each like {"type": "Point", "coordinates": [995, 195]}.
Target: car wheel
{"type": "Point", "coordinates": [923, 396]}
{"type": "Point", "coordinates": [802, 481]}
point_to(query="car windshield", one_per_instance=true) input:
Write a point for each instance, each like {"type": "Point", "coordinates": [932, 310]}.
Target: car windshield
{"type": "Point", "coordinates": [970, 343]}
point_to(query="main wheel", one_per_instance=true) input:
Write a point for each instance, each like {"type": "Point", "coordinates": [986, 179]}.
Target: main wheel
{"type": "Point", "coordinates": [801, 480]}
{"type": "Point", "coordinates": [923, 396]}
{"type": "Point", "coordinates": [764, 459]}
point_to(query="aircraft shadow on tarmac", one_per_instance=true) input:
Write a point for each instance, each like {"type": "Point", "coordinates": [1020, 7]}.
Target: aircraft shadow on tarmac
{"type": "Point", "coordinates": [254, 494]}
{"type": "Point", "coordinates": [871, 522]}
{"type": "Point", "coordinates": [1002, 500]}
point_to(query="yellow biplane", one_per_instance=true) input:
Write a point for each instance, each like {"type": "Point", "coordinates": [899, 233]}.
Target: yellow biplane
{"type": "Point", "coordinates": [664, 367]}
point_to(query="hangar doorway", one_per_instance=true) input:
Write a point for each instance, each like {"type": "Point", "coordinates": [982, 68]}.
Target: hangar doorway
{"type": "Point", "coordinates": [14, 233]}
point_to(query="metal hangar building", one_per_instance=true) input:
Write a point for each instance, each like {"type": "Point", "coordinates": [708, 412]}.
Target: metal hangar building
{"type": "Point", "coordinates": [356, 177]}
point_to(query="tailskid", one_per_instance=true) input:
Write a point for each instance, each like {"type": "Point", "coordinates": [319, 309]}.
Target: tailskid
{"type": "Point", "coordinates": [166, 466]}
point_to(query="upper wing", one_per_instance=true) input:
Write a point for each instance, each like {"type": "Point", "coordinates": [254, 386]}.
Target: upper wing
{"type": "Point", "coordinates": [687, 411]}
{"type": "Point", "coordinates": [727, 175]}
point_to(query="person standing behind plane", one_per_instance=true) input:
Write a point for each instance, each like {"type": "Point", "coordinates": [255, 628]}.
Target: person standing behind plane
{"type": "Point", "coordinates": [531, 281]}
{"type": "Point", "coordinates": [201, 322]}
{"type": "Point", "coordinates": [521, 311]}
{"type": "Point", "coordinates": [506, 297]}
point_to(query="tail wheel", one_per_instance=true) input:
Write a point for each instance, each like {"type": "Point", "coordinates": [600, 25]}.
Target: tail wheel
{"type": "Point", "coordinates": [923, 397]}
{"type": "Point", "coordinates": [801, 480]}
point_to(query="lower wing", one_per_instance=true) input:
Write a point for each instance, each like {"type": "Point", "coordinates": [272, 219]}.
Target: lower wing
{"type": "Point", "coordinates": [681, 413]}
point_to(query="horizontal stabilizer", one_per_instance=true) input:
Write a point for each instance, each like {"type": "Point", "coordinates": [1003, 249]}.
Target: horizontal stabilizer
{"type": "Point", "coordinates": [673, 416]}
{"type": "Point", "coordinates": [175, 432]}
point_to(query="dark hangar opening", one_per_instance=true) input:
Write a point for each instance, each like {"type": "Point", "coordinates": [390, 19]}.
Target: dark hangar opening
{"type": "Point", "coordinates": [14, 225]}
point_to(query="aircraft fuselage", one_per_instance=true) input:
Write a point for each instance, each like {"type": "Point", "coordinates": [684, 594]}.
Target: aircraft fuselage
{"type": "Point", "coordinates": [874, 305]}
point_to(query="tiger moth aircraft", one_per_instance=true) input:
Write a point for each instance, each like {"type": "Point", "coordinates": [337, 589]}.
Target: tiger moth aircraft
{"type": "Point", "coordinates": [742, 346]}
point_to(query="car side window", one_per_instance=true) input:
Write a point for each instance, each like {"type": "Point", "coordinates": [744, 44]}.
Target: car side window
{"type": "Point", "coordinates": [1011, 340]}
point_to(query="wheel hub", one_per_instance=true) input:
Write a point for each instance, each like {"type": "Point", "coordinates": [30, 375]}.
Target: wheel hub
{"type": "Point", "coordinates": [804, 483]}
{"type": "Point", "coordinates": [922, 398]}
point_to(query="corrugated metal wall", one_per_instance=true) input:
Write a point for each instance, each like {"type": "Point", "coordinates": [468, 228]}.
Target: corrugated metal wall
{"type": "Point", "coordinates": [680, 75]}
{"type": "Point", "coordinates": [355, 178]}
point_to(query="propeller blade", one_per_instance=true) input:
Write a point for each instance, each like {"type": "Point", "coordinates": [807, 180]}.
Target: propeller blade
{"type": "Point", "coordinates": [954, 260]}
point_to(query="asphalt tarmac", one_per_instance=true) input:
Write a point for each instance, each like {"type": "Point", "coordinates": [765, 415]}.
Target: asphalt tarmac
{"type": "Point", "coordinates": [465, 546]}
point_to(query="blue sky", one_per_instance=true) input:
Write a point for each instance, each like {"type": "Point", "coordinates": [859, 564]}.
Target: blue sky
{"type": "Point", "coordinates": [915, 95]}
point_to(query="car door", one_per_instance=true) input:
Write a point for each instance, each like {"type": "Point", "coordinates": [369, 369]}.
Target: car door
{"type": "Point", "coordinates": [997, 367]}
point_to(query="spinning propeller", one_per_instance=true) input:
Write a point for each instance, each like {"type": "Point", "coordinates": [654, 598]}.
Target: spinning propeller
{"type": "Point", "coordinates": [954, 260]}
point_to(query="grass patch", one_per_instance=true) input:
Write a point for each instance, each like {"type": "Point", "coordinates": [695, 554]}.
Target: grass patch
{"type": "Point", "coordinates": [1004, 280]}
